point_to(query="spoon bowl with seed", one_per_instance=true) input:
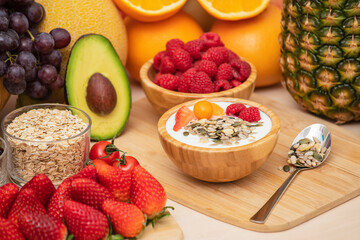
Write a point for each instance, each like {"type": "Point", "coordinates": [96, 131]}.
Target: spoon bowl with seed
{"type": "Point", "coordinates": [309, 150]}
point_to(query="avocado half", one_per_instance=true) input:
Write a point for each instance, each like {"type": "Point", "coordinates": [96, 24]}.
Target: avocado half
{"type": "Point", "coordinates": [96, 82]}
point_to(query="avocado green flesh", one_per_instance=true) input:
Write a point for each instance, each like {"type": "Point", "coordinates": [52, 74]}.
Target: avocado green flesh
{"type": "Point", "coordinates": [90, 54]}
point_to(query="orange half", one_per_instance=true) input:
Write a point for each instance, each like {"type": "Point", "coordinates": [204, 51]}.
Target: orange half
{"type": "Point", "coordinates": [150, 10]}
{"type": "Point", "coordinates": [234, 9]}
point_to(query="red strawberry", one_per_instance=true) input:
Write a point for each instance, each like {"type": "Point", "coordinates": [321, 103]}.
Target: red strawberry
{"type": "Point", "coordinates": [147, 193]}
{"type": "Point", "coordinates": [87, 172]}
{"type": "Point", "coordinates": [8, 193]}
{"type": "Point", "coordinates": [116, 180]}
{"type": "Point", "coordinates": [89, 192]}
{"type": "Point", "coordinates": [58, 199]}
{"type": "Point", "coordinates": [8, 231]}
{"type": "Point", "coordinates": [25, 202]}
{"type": "Point", "coordinates": [40, 226]}
{"type": "Point", "coordinates": [183, 116]}
{"type": "Point", "coordinates": [127, 219]}
{"type": "Point", "coordinates": [42, 186]}
{"type": "Point", "coordinates": [85, 222]}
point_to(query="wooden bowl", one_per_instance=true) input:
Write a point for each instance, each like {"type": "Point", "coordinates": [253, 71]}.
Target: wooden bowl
{"type": "Point", "coordinates": [219, 164]}
{"type": "Point", "coordinates": [163, 99]}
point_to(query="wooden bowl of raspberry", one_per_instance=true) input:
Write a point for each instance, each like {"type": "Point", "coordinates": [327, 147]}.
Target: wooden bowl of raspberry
{"type": "Point", "coordinates": [219, 139]}
{"type": "Point", "coordinates": [201, 68]}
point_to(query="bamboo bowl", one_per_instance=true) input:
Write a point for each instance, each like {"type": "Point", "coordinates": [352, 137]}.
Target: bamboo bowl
{"type": "Point", "coordinates": [219, 164]}
{"type": "Point", "coordinates": [163, 99]}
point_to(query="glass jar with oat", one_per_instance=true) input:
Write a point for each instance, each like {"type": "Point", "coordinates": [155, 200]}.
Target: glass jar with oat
{"type": "Point", "coordinates": [53, 139]}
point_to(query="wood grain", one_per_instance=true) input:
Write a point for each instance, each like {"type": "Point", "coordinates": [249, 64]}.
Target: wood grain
{"type": "Point", "coordinates": [164, 229]}
{"type": "Point", "coordinates": [312, 193]}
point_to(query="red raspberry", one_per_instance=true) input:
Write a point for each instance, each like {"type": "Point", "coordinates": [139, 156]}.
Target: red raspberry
{"type": "Point", "coordinates": [186, 80]}
{"type": "Point", "coordinates": [178, 74]}
{"type": "Point", "coordinates": [156, 79]}
{"type": "Point", "coordinates": [218, 55]}
{"type": "Point", "coordinates": [221, 85]}
{"type": "Point", "coordinates": [206, 66]}
{"type": "Point", "coordinates": [173, 44]}
{"type": "Point", "coordinates": [182, 59]}
{"type": "Point", "coordinates": [250, 114]}
{"type": "Point", "coordinates": [224, 72]}
{"type": "Point", "coordinates": [235, 83]}
{"type": "Point", "coordinates": [194, 48]}
{"type": "Point", "coordinates": [167, 66]}
{"type": "Point", "coordinates": [211, 39]}
{"type": "Point", "coordinates": [201, 83]}
{"type": "Point", "coordinates": [245, 70]}
{"type": "Point", "coordinates": [235, 109]}
{"type": "Point", "coordinates": [169, 81]}
{"type": "Point", "coordinates": [241, 69]}
{"type": "Point", "coordinates": [157, 60]}
{"type": "Point", "coordinates": [232, 55]}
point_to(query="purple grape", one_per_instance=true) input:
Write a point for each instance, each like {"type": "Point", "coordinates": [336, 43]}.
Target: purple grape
{"type": "Point", "coordinates": [6, 42]}
{"type": "Point", "coordinates": [61, 36]}
{"type": "Point", "coordinates": [31, 75]}
{"type": "Point", "coordinates": [33, 30]}
{"type": "Point", "coordinates": [27, 60]}
{"type": "Point", "coordinates": [15, 37]}
{"type": "Point", "coordinates": [15, 73]}
{"type": "Point", "coordinates": [25, 44]}
{"type": "Point", "coordinates": [4, 19]}
{"type": "Point", "coordinates": [3, 2]}
{"type": "Point", "coordinates": [15, 88]}
{"type": "Point", "coordinates": [3, 68]}
{"type": "Point", "coordinates": [35, 12]}
{"type": "Point", "coordinates": [37, 90]}
{"type": "Point", "coordinates": [47, 74]}
{"type": "Point", "coordinates": [19, 22]}
{"type": "Point", "coordinates": [54, 58]}
{"type": "Point", "coordinates": [21, 3]}
{"type": "Point", "coordinates": [58, 83]}
{"type": "Point", "coordinates": [44, 43]}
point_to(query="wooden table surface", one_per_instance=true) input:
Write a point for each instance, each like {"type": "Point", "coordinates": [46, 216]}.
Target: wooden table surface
{"type": "Point", "coordinates": [342, 222]}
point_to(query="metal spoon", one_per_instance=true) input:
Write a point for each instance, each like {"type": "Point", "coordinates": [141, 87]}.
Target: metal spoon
{"type": "Point", "coordinates": [322, 133]}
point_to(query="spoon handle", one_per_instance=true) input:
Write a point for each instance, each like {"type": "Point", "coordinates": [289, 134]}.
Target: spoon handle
{"type": "Point", "coordinates": [264, 212]}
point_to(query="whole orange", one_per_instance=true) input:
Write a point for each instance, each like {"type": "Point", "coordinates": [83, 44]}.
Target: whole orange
{"type": "Point", "coordinates": [256, 39]}
{"type": "Point", "coordinates": [146, 39]}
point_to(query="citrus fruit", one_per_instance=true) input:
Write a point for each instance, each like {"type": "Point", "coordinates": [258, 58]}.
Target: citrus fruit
{"type": "Point", "coordinates": [234, 10]}
{"type": "Point", "coordinates": [146, 39]}
{"type": "Point", "coordinates": [193, 8]}
{"type": "Point", "coordinates": [256, 39]}
{"type": "Point", "coordinates": [149, 10]}
{"type": "Point", "coordinates": [203, 109]}
{"type": "Point", "coordinates": [83, 17]}
{"type": "Point", "coordinates": [217, 110]}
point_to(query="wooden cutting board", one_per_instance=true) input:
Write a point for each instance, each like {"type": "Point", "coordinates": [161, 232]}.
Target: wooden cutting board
{"type": "Point", "coordinates": [312, 192]}
{"type": "Point", "coordinates": [164, 229]}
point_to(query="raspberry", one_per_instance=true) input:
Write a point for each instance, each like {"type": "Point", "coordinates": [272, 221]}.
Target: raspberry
{"type": "Point", "coordinates": [235, 83]}
{"type": "Point", "coordinates": [167, 66]}
{"type": "Point", "coordinates": [221, 85]}
{"type": "Point", "coordinates": [173, 44]}
{"type": "Point", "coordinates": [194, 48]}
{"type": "Point", "coordinates": [224, 72]}
{"type": "Point", "coordinates": [156, 79]}
{"type": "Point", "coordinates": [218, 55]}
{"type": "Point", "coordinates": [211, 39]}
{"type": "Point", "coordinates": [201, 83]}
{"type": "Point", "coordinates": [157, 60]}
{"type": "Point", "coordinates": [186, 79]}
{"type": "Point", "coordinates": [245, 70]}
{"type": "Point", "coordinates": [235, 109]}
{"type": "Point", "coordinates": [232, 55]}
{"type": "Point", "coordinates": [206, 66]}
{"type": "Point", "coordinates": [178, 74]}
{"type": "Point", "coordinates": [250, 114]}
{"type": "Point", "coordinates": [169, 81]}
{"type": "Point", "coordinates": [241, 69]}
{"type": "Point", "coordinates": [181, 59]}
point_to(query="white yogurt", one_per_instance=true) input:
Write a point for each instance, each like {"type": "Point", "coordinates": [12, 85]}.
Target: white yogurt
{"type": "Point", "coordinates": [194, 140]}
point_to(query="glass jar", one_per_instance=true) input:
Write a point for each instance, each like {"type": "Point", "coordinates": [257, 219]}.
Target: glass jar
{"type": "Point", "coordinates": [3, 154]}
{"type": "Point", "coordinates": [53, 139]}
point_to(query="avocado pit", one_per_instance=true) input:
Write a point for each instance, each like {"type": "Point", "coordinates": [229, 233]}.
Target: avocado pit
{"type": "Point", "coordinates": [100, 94]}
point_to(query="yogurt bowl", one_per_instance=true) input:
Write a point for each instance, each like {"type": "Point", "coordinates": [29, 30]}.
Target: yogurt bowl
{"type": "Point", "coordinates": [219, 162]}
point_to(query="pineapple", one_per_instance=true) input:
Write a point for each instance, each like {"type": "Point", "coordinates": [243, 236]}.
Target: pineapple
{"type": "Point", "coordinates": [320, 56]}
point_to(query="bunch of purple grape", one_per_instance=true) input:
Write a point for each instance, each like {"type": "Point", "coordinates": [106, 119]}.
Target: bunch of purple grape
{"type": "Point", "coordinates": [29, 61]}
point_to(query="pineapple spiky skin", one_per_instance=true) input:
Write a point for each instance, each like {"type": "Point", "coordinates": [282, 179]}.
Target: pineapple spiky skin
{"type": "Point", "coordinates": [320, 56]}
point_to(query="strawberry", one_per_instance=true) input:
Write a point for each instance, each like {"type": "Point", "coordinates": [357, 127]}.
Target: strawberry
{"type": "Point", "coordinates": [42, 186]}
{"type": "Point", "coordinates": [89, 192]}
{"type": "Point", "coordinates": [116, 180]}
{"type": "Point", "coordinates": [87, 172]}
{"type": "Point", "coordinates": [85, 222]}
{"type": "Point", "coordinates": [8, 193]}
{"type": "Point", "coordinates": [127, 219]}
{"type": "Point", "coordinates": [147, 193]}
{"type": "Point", "coordinates": [183, 116]}
{"type": "Point", "coordinates": [25, 202]}
{"type": "Point", "coordinates": [8, 231]}
{"type": "Point", "coordinates": [58, 199]}
{"type": "Point", "coordinates": [40, 226]}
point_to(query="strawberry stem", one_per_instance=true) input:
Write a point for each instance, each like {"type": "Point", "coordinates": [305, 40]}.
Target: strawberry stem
{"type": "Point", "coordinates": [162, 214]}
